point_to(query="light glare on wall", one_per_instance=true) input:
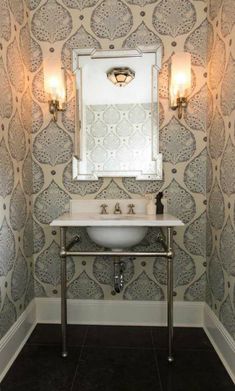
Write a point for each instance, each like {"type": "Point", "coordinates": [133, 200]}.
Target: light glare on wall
{"type": "Point", "coordinates": [180, 81]}
{"type": "Point", "coordinates": [54, 85]}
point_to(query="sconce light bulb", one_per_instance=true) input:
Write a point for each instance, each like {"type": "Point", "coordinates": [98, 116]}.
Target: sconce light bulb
{"type": "Point", "coordinates": [53, 87]}
{"type": "Point", "coordinates": [181, 78]}
{"type": "Point", "coordinates": [53, 82]}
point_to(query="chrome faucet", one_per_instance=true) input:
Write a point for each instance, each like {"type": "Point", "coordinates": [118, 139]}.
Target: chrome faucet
{"type": "Point", "coordinates": [117, 209]}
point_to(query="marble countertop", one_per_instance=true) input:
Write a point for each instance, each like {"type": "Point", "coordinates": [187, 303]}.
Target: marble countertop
{"type": "Point", "coordinates": [115, 220]}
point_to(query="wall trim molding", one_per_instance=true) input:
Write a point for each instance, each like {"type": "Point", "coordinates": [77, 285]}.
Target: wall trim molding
{"type": "Point", "coordinates": [221, 340]}
{"type": "Point", "coordinates": [120, 312]}
{"type": "Point", "coordinates": [16, 337]}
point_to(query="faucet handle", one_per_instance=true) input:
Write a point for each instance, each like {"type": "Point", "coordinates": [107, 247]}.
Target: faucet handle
{"type": "Point", "coordinates": [131, 209]}
{"type": "Point", "coordinates": [103, 209]}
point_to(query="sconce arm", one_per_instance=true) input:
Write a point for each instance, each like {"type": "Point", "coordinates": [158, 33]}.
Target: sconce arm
{"type": "Point", "coordinates": [181, 104]}
{"type": "Point", "coordinates": [54, 107]}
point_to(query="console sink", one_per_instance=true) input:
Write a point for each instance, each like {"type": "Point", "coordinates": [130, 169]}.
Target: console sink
{"type": "Point", "coordinates": [114, 231]}
{"type": "Point", "coordinates": [117, 238]}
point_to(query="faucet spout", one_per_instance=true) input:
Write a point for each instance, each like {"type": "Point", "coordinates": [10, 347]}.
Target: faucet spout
{"type": "Point", "coordinates": [117, 209]}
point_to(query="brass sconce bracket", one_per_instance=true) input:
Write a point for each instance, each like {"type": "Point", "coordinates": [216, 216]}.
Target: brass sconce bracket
{"type": "Point", "coordinates": [181, 103]}
{"type": "Point", "coordinates": [54, 107]}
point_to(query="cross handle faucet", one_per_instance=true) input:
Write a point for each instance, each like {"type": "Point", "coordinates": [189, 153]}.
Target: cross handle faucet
{"type": "Point", "coordinates": [103, 209]}
{"type": "Point", "coordinates": [131, 209]}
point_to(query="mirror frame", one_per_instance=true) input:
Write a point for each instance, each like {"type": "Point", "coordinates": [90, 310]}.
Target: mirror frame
{"type": "Point", "coordinates": [155, 157]}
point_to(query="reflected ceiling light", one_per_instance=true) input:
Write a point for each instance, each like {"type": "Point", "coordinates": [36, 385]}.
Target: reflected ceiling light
{"type": "Point", "coordinates": [121, 76]}
{"type": "Point", "coordinates": [180, 82]}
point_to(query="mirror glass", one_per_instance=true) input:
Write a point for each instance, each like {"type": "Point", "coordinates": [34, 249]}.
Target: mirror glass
{"type": "Point", "coordinates": [117, 116]}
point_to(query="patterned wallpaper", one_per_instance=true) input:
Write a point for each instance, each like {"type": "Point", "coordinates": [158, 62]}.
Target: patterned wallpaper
{"type": "Point", "coordinates": [60, 26]}
{"type": "Point", "coordinates": [221, 143]}
{"type": "Point", "coordinates": [16, 274]}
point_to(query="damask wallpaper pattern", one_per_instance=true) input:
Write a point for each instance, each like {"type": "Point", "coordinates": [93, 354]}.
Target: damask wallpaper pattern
{"type": "Point", "coordinates": [190, 173]}
{"type": "Point", "coordinates": [60, 26]}
{"type": "Point", "coordinates": [221, 69]}
{"type": "Point", "coordinates": [16, 266]}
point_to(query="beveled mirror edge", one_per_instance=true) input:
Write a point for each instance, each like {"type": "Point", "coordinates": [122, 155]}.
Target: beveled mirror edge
{"type": "Point", "coordinates": [101, 54]}
{"type": "Point", "coordinates": [125, 174]}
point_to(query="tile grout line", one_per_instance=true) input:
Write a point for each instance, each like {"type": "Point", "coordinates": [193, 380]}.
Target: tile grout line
{"type": "Point", "coordinates": [156, 360]}
{"type": "Point", "coordinates": [102, 346]}
{"type": "Point", "coordinates": [78, 362]}
{"type": "Point", "coordinates": [120, 348]}
{"type": "Point", "coordinates": [97, 347]}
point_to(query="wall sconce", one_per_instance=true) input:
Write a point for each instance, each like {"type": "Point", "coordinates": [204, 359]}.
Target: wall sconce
{"type": "Point", "coordinates": [121, 76]}
{"type": "Point", "coordinates": [180, 81]}
{"type": "Point", "coordinates": [54, 85]}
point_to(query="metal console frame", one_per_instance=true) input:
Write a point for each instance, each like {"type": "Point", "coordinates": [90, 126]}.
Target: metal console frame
{"type": "Point", "coordinates": [168, 253]}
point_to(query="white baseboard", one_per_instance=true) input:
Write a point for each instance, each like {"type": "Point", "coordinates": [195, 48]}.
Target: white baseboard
{"type": "Point", "coordinates": [117, 312]}
{"type": "Point", "coordinates": [148, 313]}
{"type": "Point", "coordinates": [222, 341]}
{"type": "Point", "coordinates": [14, 340]}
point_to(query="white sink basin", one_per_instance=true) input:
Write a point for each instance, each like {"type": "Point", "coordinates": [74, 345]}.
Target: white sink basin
{"type": "Point", "coordinates": [117, 238]}
{"type": "Point", "coordinates": [110, 230]}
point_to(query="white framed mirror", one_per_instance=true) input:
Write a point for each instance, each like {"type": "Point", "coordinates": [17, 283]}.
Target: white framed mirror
{"type": "Point", "coordinates": [117, 115]}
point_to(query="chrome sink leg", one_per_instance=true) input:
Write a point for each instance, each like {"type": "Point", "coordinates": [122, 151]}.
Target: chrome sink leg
{"type": "Point", "coordinates": [170, 292]}
{"type": "Point", "coordinates": [63, 291]}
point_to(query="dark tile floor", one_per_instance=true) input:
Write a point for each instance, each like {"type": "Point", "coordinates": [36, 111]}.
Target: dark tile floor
{"type": "Point", "coordinates": [117, 358]}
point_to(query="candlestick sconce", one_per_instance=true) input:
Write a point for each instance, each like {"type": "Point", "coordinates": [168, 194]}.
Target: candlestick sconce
{"type": "Point", "coordinates": [180, 81]}
{"type": "Point", "coordinates": [54, 86]}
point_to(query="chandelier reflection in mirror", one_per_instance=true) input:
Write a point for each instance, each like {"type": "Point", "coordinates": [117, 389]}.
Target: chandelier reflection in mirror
{"type": "Point", "coordinates": [121, 76]}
